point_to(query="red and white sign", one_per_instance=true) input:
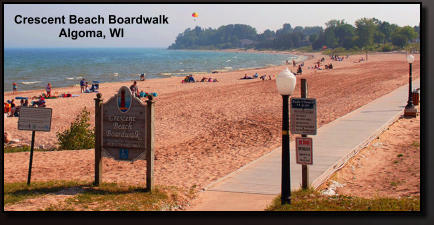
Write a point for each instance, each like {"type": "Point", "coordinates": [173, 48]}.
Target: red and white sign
{"type": "Point", "coordinates": [303, 147]}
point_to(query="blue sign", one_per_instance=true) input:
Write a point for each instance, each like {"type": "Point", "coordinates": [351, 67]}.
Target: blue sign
{"type": "Point", "coordinates": [123, 154]}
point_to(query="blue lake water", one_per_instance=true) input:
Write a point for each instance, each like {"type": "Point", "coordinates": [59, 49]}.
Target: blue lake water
{"type": "Point", "coordinates": [34, 68]}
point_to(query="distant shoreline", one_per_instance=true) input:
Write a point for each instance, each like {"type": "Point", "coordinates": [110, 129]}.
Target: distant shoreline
{"type": "Point", "coordinates": [307, 55]}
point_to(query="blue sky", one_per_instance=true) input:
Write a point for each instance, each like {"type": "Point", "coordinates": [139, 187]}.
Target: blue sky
{"type": "Point", "coordinates": [259, 16]}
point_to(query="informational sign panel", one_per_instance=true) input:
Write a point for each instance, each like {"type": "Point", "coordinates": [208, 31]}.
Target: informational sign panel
{"type": "Point", "coordinates": [303, 116]}
{"type": "Point", "coordinates": [303, 147]}
{"type": "Point", "coordinates": [35, 119]}
{"type": "Point", "coordinates": [124, 127]}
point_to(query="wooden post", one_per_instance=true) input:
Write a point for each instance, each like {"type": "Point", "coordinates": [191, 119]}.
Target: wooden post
{"type": "Point", "coordinates": [98, 138]}
{"type": "Point", "coordinates": [31, 158]}
{"type": "Point", "coordinates": [304, 169]}
{"type": "Point", "coordinates": [150, 144]}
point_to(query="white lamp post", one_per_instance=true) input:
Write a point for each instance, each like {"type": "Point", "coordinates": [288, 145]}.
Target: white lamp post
{"type": "Point", "coordinates": [410, 110]}
{"type": "Point", "coordinates": [285, 83]}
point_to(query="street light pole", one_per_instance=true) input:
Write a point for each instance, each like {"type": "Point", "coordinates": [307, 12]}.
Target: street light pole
{"type": "Point", "coordinates": [410, 99]}
{"type": "Point", "coordinates": [410, 110]}
{"type": "Point", "coordinates": [285, 83]}
{"type": "Point", "coordinates": [286, 179]}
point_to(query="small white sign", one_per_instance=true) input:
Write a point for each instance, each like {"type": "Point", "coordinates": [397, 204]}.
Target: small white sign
{"type": "Point", "coordinates": [304, 151]}
{"type": "Point", "coordinates": [35, 119]}
{"type": "Point", "coordinates": [303, 116]}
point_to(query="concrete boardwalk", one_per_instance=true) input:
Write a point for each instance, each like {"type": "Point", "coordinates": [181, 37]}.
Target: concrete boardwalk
{"type": "Point", "coordinates": [333, 145]}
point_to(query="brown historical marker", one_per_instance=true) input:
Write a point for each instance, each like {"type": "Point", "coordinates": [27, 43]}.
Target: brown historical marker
{"type": "Point", "coordinates": [126, 131]}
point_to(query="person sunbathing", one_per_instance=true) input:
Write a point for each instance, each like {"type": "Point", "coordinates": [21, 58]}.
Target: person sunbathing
{"type": "Point", "coordinates": [204, 79]}
{"type": "Point", "coordinates": [246, 77]}
{"type": "Point", "coordinates": [191, 79]}
{"type": "Point", "coordinates": [39, 103]}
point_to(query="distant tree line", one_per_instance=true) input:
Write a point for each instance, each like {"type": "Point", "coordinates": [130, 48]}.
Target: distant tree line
{"type": "Point", "coordinates": [367, 34]}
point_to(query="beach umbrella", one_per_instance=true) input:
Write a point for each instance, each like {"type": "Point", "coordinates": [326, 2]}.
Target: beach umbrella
{"type": "Point", "coordinates": [195, 15]}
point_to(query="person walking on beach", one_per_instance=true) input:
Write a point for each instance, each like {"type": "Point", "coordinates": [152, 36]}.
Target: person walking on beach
{"type": "Point", "coordinates": [48, 89]}
{"type": "Point", "coordinates": [14, 87]}
{"type": "Point", "coordinates": [82, 84]}
{"type": "Point", "coordinates": [134, 89]}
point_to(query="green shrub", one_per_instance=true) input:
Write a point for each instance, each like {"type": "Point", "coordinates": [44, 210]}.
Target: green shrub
{"type": "Point", "coordinates": [79, 135]}
{"type": "Point", "coordinates": [387, 47]}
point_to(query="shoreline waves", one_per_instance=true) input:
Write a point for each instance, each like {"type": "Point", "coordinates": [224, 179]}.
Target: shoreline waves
{"type": "Point", "coordinates": [32, 69]}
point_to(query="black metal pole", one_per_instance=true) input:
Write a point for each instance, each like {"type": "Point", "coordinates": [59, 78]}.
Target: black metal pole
{"type": "Point", "coordinates": [286, 179]}
{"type": "Point", "coordinates": [304, 169]}
{"type": "Point", "coordinates": [31, 158]}
{"type": "Point", "coordinates": [410, 97]}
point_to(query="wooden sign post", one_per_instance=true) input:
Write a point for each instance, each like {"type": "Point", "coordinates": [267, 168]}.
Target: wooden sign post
{"type": "Point", "coordinates": [98, 138]}
{"type": "Point", "coordinates": [303, 121]}
{"type": "Point", "coordinates": [124, 131]}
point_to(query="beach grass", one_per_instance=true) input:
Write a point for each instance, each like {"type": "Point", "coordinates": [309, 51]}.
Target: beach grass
{"type": "Point", "coordinates": [24, 148]}
{"type": "Point", "coordinates": [311, 200]}
{"type": "Point", "coordinates": [19, 191]}
{"type": "Point", "coordinates": [105, 197]}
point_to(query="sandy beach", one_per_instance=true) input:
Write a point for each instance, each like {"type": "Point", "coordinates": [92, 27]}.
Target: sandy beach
{"type": "Point", "coordinates": [204, 131]}
{"type": "Point", "coordinates": [387, 167]}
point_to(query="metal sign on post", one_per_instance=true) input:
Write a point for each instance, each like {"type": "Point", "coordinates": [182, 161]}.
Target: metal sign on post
{"type": "Point", "coordinates": [303, 116]}
{"type": "Point", "coordinates": [34, 119]}
{"type": "Point", "coordinates": [304, 152]}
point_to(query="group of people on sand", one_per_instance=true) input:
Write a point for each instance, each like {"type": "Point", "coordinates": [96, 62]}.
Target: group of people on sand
{"type": "Point", "coordinates": [263, 77]}
{"type": "Point", "coordinates": [190, 79]}
{"type": "Point", "coordinates": [317, 65]}
{"type": "Point", "coordinates": [208, 79]}
{"type": "Point", "coordinates": [337, 58]}
{"type": "Point", "coordinates": [84, 86]}
{"type": "Point", "coordinates": [135, 91]}
{"type": "Point", "coordinates": [299, 68]}
{"type": "Point", "coordinates": [11, 109]}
